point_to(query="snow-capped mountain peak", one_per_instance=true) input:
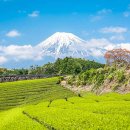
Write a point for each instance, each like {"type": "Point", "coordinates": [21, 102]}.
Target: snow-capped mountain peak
{"type": "Point", "coordinates": [61, 38]}
{"type": "Point", "coordinates": [63, 44]}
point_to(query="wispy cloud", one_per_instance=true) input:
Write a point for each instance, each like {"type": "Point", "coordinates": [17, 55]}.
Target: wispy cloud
{"type": "Point", "coordinates": [113, 30]}
{"type": "Point", "coordinates": [34, 14]}
{"type": "Point", "coordinates": [99, 46]}
{"type": "Point", "coordinates": [117, 38]}
{"type": "Point", "coordinates": [104, 11]}
{"type": "Point", "coordinates": [13, 33]}
{"type": "Point", "coordinates": [100, 14]}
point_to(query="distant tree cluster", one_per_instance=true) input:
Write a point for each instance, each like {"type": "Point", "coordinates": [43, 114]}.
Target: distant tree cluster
{"type": "Point", "coordinates": [70, 65]}
{"type": "Point", "coordinates": [67, 65]}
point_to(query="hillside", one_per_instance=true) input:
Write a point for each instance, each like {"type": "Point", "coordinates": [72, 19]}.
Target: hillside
{"type": "Point", "coordinates": [102, 80]}
{"type": "Point", "coordinates": [43, 104]}
{"type": "Point", "coordinates": [13, 94]}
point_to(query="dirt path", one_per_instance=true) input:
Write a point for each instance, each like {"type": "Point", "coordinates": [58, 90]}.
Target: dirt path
{"type": "Point", "coordinates": [75, 88]}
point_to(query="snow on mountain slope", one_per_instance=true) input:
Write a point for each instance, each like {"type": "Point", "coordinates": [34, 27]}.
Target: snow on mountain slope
{"type": "Point", "coordinates": [63, 44]}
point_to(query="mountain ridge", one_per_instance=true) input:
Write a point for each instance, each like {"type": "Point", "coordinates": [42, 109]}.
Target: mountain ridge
{"type": "Point", "coordinates": [62, 44]}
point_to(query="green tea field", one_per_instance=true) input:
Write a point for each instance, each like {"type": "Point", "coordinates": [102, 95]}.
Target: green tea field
{"type": "Point", "coordinates": [13, 94]}
{"type": "Point", "coordinates": [43, 104]}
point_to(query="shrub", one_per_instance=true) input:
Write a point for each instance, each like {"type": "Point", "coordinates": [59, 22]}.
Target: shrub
{"type": "Point", "coordinates": [100, 78]}
{"type": "Point", "coordinates": [120, 76]}
{"type": "Point", "coordinates": [115, 86]}
{"type": "Point", "coordinates": [70, 80]}
{"type": "Point", "coordinates": [110, 77]}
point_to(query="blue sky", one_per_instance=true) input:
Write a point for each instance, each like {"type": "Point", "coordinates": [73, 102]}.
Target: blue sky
{"type": "Point", "coordinates": [24, 22]}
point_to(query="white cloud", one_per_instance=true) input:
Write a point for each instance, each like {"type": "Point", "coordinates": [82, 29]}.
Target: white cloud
{"type": "Point", "coordinates": [119, 45]}
{"type": "Point", "coordinates": [99, 46]}
{"type": "Point", "coordinates": [26, 52]}
{"type": "Point", "coordinates": [20, 52]}
{"type": "Point", "coordinates": [96, 47]}
{"type": "Point", "coordinates": [124, 46]}
{"type": "Point", "coordinates": [107, 45]}
{"type": "Point", "coordinates": [13, 33]}
{"type": "Point", "coordinates": [34, 14]}
{"type": "Point", "coordinates": [110, 47]}
{"type": "Point", "coordinates": [113, 30]}
{"type": "Point", "coordinates": [117, 37]}
{"type": "Point", "coordinates": [97, 43]}
{"type": "Point", "coordinates": [96, 52]}
{"type": "Point", "coordinates": [2, 60]}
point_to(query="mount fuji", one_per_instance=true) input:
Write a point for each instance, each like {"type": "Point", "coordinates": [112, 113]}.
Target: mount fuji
{"type": "Point", "coordinates": [59, 45]}
{"type": "Point", "coordinates": [62, 44]}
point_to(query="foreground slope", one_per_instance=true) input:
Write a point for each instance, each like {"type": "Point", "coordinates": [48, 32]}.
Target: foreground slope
{"type": "Point", "coordinates": [13, 94]}
{"type": "Point", "coordinates": [102, 80]}
{"type": "Point", "coordinates": [90, 112]}
{"type": "Point", "coordinates": [45, 105]}
{"type": "Point", "coordinates": [107, 112]}
{"type": "Point", "coordinates": [14, 120]}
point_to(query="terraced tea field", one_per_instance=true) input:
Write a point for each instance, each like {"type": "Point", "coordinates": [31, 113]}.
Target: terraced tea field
{"type": "Point", "coordinates": [13, 94]}
{"type": "Point", "coordinates": [59, 109]}
{"type": "Point", "coordinates": [106, 112]}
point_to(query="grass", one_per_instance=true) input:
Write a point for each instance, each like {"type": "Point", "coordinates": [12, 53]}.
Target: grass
{"type": "Point", "coordinates": [59, 109]}
{"type": "Point", "coordinates": [14, 120]}
{"type": "Point", "coordinates": [90, 112]}
{"type": "Point", "coordinates": [13, 94]}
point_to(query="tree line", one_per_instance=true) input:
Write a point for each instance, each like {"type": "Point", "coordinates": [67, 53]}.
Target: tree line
{"type": "Point", "coordinates": [64, 66]}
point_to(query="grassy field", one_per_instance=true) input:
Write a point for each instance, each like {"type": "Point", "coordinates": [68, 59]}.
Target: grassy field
{"type": "Point", "coordinates": [106, 112]}
{"type": "Point", "coordinates": [89, 112]}
{"type": "Point", "coordinates": [13, 94]}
